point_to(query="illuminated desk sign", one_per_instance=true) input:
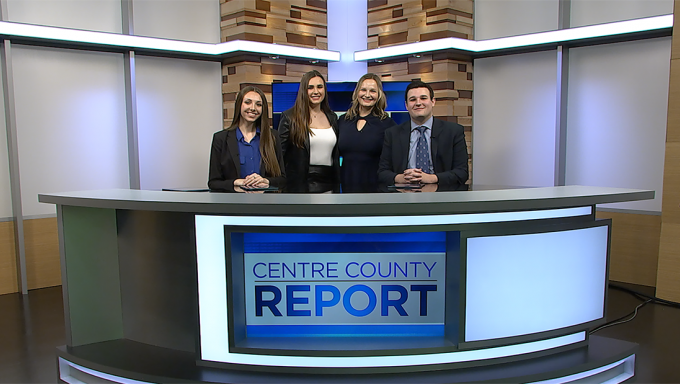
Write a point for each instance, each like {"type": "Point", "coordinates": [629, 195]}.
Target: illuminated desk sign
{"type": "Point", "coordinates": [320, 294]}
{"type": "Point", "coordinates": [344, 284]}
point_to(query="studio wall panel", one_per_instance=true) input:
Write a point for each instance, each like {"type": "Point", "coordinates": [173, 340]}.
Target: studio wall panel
{"type": "Point", "coordinates": [616, 118]}
{"type": "Point", "coordinates": [589, 12]}
{"type": "Point", "coordinates": [179, 107]}
{"type": "Point", "coordinates": [191, 20]}
{"type": "Point", "coordinates": [634, 247]}
{"type": "Point", "coordinates": [668, 277]}
{"type": "Point", "coordinates": [8, 264]}
{"type": "Point", "coordinates": [8, 269]}
{"type": "Point", "coordinates": [514, 120]}
{"type": "Point", "coordinates": [99, 15]}
{"type": "Point", "coordinates": [5, 191]}
{"type": "Point", "coordinates": [70, 113]}
{"type": "Point", "coordinates": [42, 253]}
{"type": "Point", "coordinates": [675, 52]}
{"type": "Point", "coordinates": [673, 128]}
{"type": "Point", "coordinates": [500, 18]}
{"type": "Point", "coordinates": [667, 286]}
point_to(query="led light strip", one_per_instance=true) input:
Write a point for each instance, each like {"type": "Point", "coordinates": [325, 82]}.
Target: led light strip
{"type": "Point", "coordinates": [382, 221]}
{"type": "Point", "coordinates": [65, 367]}
{"type": "Point", "coordinates": [404, 360]}
{"type": "Point", "coordinates": [628, 372]}
{"type": "Point", "coordinates": [629, 362]}
{"type": "Point", "coordinates": [140, 42]}
{"type": "Point", "coordinates": [558, 36]}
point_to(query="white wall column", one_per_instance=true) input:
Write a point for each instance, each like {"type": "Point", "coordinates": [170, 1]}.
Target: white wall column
{"type": "Point", "coordinates": [347, 33]}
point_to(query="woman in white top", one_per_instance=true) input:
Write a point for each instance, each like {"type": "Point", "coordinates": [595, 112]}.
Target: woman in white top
{"type": "Point", "coordinates": [309, 137]}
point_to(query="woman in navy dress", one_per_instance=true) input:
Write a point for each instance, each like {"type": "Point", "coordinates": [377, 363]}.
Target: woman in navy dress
{"type": "Point", "coordinates": [361, 134]}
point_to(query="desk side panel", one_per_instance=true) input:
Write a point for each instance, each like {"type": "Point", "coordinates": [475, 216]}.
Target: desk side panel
{"type": "Point", "coordinates": [90, 275]}
{"type": "Point", "coordinates": [158, 278]}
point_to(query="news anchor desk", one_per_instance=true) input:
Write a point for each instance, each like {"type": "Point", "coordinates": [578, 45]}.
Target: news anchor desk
{"type": "Point", "coordinates": [497, 285]}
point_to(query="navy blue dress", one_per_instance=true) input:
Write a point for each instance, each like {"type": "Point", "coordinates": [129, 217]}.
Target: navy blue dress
{"type": "Point", "coordinates": [360, 152]}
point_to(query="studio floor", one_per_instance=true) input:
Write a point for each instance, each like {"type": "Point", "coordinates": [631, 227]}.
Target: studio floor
{"type": "Point", "coordinates": [32, 326]}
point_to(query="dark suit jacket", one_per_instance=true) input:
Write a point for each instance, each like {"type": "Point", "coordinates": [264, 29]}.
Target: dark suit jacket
{"type": "Point", "coordinates": [448, 149]}
{"type": "Point", "coordinates": [297, 159]}
{"type": "Point", "coordinates": [225, 165]}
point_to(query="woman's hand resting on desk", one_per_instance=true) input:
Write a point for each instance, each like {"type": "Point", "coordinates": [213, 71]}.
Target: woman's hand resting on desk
{"type": "Point", "coordinates": [252, 180]}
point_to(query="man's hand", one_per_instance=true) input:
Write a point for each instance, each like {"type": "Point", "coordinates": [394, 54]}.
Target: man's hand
{"type": "Point", "coordinates": [415, 175]}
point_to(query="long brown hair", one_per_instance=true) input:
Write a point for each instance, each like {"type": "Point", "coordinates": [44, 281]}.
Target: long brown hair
{"type": "Point", "coordinates": [301, 118]}
{"type": "Point", "coordinates": [267, 145]}
{"type": "Point", "coordinates": [380, 104]}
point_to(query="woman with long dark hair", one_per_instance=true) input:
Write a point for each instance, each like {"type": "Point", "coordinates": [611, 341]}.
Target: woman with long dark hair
{"type": "Point", "coordinates": [309, 138]}
{"type": "Point", "coordinates": [247, 154]}
{"type": "Point", "coordinates": [362, 132]}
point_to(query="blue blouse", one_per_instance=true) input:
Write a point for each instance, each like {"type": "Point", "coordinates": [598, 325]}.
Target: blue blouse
{"type": "Point", "coordinates": [249, 153]}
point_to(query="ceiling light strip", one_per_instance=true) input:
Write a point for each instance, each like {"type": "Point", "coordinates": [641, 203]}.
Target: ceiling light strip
{"type": "Point", "coordinates": [152, 43]}
{"type": "Point", "coordinates": [550, 37]}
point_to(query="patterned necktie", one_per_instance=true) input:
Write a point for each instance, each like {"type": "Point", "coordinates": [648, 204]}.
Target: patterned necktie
{"type": "Point", "coordinates": [422, 151]}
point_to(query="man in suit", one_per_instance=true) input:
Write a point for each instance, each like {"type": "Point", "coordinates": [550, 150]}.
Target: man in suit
{"type": "Point", "coordinates": [424, 150]}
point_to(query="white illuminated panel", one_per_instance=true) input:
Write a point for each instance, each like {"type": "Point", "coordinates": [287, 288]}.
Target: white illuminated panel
{"type": "Point", "coordinates": [347, 33]}
{"type": "Point", "coordinates": [213, 316]}
{"type": "Point", "coordinates": [128, 41]}
{"type": "Point", "coordinates": [379, 221]}
{"type": "Point", "coordinates": [524, 284]}
{"type": "Point", "coordinates": [558, 36]}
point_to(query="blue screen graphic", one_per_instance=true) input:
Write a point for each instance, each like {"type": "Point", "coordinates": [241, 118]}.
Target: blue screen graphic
{"type": "Point", "coordinates": [344, 242]}
{"type": "Point", "coordinates": [338, 285]}
{"type": "Point", "coordinates": [340, 98]}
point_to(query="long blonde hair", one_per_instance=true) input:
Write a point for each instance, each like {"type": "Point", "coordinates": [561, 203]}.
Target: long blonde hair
{"type": "Point", "coordinates": [380, 104]}
{"type": "Point", "coordinates": [301, 118]}
{"type": "Point", "coordinates": [267, 145]}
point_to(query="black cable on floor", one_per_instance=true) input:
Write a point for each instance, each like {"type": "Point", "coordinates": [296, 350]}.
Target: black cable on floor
{"type": "Point", "coordinates": [645, 296]}
{"type": "Point", "coordinates": [639, 295]}
{"type": "Point", "coordinates": [620, 320]}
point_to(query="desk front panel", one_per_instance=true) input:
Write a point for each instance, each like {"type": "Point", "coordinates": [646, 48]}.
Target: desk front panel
{"type": "Point", "coordinates": [253, 311]}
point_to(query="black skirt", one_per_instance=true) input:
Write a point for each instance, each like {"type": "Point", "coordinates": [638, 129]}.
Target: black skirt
{"type": "Point", "coordinates": [320, 179]}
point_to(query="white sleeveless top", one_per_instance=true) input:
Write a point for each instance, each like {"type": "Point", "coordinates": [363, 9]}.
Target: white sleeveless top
{"type": "Point", "coordinates": [321, 145]}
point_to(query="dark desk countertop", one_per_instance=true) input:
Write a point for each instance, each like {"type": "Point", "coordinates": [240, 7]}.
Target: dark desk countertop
{"type": "Point", "coordinates": [375, 204]}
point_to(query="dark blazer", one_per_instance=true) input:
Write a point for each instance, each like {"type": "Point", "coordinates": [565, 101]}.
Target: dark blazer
{"type": "Point", "coordinates": [225, 165]}
{"type": "Point", "coordinates": [448, 149]}
{"type": "Point", "coordinates": [297, 159]}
